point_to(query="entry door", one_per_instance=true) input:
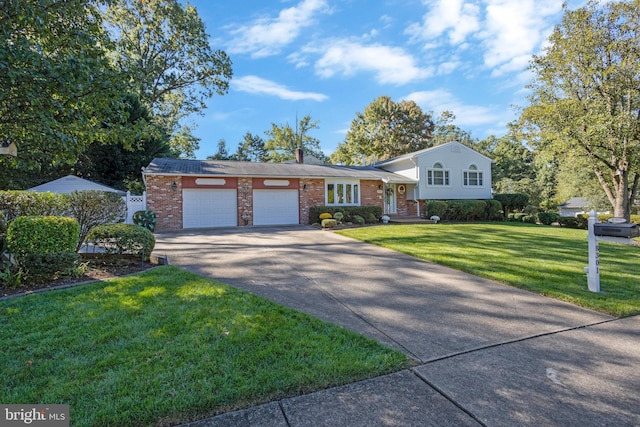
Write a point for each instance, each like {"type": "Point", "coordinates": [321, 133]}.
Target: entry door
{"type": "Point", "coordinates": [390, 205]}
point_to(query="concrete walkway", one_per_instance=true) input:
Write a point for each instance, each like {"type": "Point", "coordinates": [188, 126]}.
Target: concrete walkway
{"type": "Point", "coordinates": [487, 354]}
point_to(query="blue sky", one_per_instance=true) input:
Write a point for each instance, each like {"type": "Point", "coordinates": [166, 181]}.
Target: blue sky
{"type": "Point", "coordinates": [331, 58]}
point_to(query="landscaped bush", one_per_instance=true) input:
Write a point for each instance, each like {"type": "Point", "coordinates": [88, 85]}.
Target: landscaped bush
{"type": "Point", "coordinates": [329, 223]}
{"type": "Point", "coordinates": [41, 267]}
{"type": "Point", "coordinates": [358, 219]}
{"type": "Point", "coordinates": [548, 218]}
{"type": "Point", "coordinates": [530, 219]}
{"type": "Point", "coordinates": [42, 234]}
{"type": "Point", "coordinates": [93, 208]}
{"type": "Point", "coordinates": [370, 213]}
{"type": "Point", "coordinates": [435, 207]}
{"type": "Point", "coordinates": [512, 201]}
{"type": "Point", "coordinates": [465, 210]}
{"type": "Point", "coordinates": [325, 215]}
{"type": "Point", "coordinates": [518, 216]}
{"type": "Point", "coordinates": [145, 219]}
{"type": "Point", "coordinates": [123, 239]}
{"type": "Point", "coordinates": [338, 216]}
{"type": "Point", "coordinates": [32, 203]}
{"type": "Point", "coordinates": [494, 210]}
{"type": "Point", "coordinates": [568, 221]}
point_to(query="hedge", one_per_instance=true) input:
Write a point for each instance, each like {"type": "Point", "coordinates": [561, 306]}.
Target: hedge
{"type": "Point", "coordinates": [512, 201]}
{"type": "Point", "coordinates": [123, 239]}
{"type": "Point", "coordinates": [371, 214]}
{"type": "Point", "coordinates": [42, 234]}
{"type": "Point", "coordinates": [464, 210]}
{"type": "Point", "coordinates": [32, 203]}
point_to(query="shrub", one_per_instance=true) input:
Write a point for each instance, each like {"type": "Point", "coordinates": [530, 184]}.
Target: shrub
{"type": "Point", "coordinates": [338, 216]}
{"type": "Point", "coordinates": [325, 215]}
{"type": "Point", "coordinates": [511, 217]}
{"type": "Point", "coordinates": [358, 219]}
{"type": "Point", "coordinates": [123, 239]}
{"type": "Point", "coordinates": [435, 207]}
{"type": "Point", "coordinates": [530, 219]}
{"type": "Point", "coordinates": [371, 218]}
{"type": "Point", "coordinates": [93, 208]}
{"type": "Point", "coordinates": [583, 221]}
{"type": "Point", "coordinates": [32, 203]}
{"type": "Point", "coordinates": [518, 216]}
{"type": "Point", "coordinates": [494, 210]}
{"type": "Point", "coordinates": [465, 210]}
{"type": "Point", "coordinates": [329, 223]}
{"type": "Point", "coordinates": [512, 201]}
{"type": "Point", "coordinates": [568, 221]}
{"type": "Point", "coordinates": [371, 213]}
{"type": "Point", "coordinates": [145, 219]}
{"type": "Point", "coordinates": [42, 234]}
{"type": "Point", "coordinates": [548, 218]}
{"type": "Point", "coordinates": [40, 267]}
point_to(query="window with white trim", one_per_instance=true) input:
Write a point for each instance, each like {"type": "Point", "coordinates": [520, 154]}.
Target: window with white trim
{"type": "Point", "coordinates": [438, 175]}
{"type": "Point", "coordinates": [472, 177]}
{"type": "Point", "coordinates": [342, 193]}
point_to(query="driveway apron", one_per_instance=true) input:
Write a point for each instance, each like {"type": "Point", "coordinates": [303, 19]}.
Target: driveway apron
{"type": "Point", "coordinates": [496, 355]}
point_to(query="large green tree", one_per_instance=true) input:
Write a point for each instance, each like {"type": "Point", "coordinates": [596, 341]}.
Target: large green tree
{"type": "Point", "coordinates": [55, 84]}
{"type": "Point", "coordinates": [251, 149]}
{"type": "Point", "coordinates": [586, 96]}
{"type": "Point", "coordinates": [163, 48]}
{"type": "Point", "coordinates": [384, 130]}
{"type": "Point", "coordinates": [283, 141]}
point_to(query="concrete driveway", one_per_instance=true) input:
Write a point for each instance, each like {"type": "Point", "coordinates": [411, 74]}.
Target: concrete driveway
{"type": "Point", "coordinates": [487, 354]}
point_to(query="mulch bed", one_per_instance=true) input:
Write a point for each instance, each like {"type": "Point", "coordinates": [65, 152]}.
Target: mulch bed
{"type": "Point", "coordinates": [99, 268]}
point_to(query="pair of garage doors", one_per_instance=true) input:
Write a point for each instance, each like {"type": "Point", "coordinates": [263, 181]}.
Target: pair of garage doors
{"type": "Point", "coordinates": [219, 208]}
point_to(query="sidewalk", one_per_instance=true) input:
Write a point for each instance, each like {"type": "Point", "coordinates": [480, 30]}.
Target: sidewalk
{"type": "Point", "coordinates": [487, 354]}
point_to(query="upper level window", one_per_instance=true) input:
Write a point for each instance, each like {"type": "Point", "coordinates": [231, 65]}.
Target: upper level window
{"type": "Point", "coordinates": [343, 193]}
{"type": "Point", "coordinates": [437, 175]}
{"type": "Point", "coordinates": [472, 177]}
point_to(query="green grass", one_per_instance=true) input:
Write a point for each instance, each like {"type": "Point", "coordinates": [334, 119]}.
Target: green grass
{"type": "Point", "coordinates": [546, 260]}
{"type": "Point", "coordinates": [167, 346]}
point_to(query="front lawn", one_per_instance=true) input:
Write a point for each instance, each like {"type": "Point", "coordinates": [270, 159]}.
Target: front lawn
{"type": "Point", "coordinates": [167, 346]}
{"type": "Point", "coordinates": [546, 260]}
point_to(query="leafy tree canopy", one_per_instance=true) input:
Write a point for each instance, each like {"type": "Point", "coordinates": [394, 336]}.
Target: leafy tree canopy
{"type": "Point", "coordinates": [586, 96]}
{"type": "Point", "coordinates": [163, 48]}
{"type": "Point", "coordinates": [55, 84]}
{"type": "Point", "coordinates": [384, 130]}
{"type": "Point", "coordinates": [283, 141]}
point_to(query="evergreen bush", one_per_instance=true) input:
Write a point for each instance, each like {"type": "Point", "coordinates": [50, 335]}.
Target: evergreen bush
{"type": "Point", "coordinates": [123, 239]}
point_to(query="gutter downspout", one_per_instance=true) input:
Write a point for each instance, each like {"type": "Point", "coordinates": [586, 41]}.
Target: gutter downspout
{"type": "Point", "coordinates": [416, 189]}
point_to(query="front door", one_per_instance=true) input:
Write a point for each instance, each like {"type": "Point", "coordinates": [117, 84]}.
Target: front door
{"type": "Point", "coordinates": [390, 199]}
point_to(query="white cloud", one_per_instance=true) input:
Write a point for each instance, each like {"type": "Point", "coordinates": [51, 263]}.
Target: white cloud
{"type": "Point", "coordinates": [466, 115]}
{"type": "Point", "coordinates": [456, 18]}
{"type": "Point", "coordinates": [257, 85]}
{"type": "Point", "coordinates": [514, 31]}
{"type": "Point", "coordinates": [267, 36]}
{"type": "Point", "coordinates": [390, 65]}
{"type": "Point", "coordinates": [505, 32]}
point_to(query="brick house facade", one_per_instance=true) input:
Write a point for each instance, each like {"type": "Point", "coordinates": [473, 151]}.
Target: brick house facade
{"type": "Point", "coordinates": [210, 193]}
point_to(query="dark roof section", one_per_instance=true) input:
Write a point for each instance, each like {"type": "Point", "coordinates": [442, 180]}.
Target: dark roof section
{"type": "Point", "coordinates": [162, 166]}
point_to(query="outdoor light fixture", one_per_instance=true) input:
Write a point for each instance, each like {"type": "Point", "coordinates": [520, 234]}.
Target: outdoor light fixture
{"type": "Point", "coordinates": [304, 187]}
{"type": "Point", "coordinates": [174, 186]}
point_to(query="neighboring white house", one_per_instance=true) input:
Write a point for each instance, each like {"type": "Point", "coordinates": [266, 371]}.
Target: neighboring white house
{"type": "Point", "coordinates": [445, 172]}
{"type": "Point", "coordinates": [70, 183]}
{"type": "Point", "coordinates": [576, 206]}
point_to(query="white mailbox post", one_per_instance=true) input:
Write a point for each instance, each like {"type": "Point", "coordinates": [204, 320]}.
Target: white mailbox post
{"type": "Point", "coordinates": [593, 270]}
{"type": "Point", "coordinates": [617, 230]}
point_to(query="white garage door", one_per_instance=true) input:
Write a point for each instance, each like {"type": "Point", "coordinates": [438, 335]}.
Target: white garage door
{"type": "Point", "coordinates": [275, 207]}
{"type": "Point", "coordinates": [209, 208]}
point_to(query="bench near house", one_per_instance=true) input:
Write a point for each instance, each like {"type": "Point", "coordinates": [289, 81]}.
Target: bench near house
{"type": "Point", "coordinates": [219, 193]}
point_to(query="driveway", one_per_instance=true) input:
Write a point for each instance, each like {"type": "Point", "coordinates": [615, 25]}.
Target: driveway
{"type": "Point", "coordinates": [486, 353]}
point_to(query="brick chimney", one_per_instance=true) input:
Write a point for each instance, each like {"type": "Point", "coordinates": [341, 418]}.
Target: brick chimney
{"type": "Point", "coordinates": [299, 155]}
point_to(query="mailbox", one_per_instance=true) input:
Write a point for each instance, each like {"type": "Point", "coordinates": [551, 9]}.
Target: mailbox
{"type": "Point", "coordinates": [616, 230]}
